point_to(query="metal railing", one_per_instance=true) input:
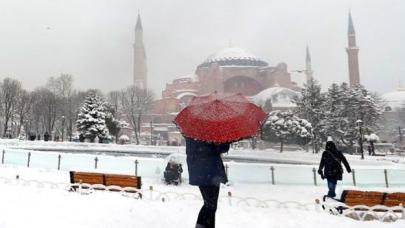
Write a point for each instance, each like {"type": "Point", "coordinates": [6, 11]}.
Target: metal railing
{"type": "Point", "coordinates": [274, 174]}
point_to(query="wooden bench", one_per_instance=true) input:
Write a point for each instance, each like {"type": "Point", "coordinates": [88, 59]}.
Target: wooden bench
{"type": "Point", "coordinates": [104, 179]}
{"type": "Point", "coordinates": [372, 198]}
{"type": "Point", "coordinates": [353, 198]}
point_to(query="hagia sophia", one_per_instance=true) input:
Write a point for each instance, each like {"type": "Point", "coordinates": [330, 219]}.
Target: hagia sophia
{"type": "Point", "coordinates": [230, 70]}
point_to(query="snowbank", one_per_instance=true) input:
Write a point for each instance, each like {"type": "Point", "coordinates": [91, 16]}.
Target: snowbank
{"type": "Point", "coordinates": [32, 206]}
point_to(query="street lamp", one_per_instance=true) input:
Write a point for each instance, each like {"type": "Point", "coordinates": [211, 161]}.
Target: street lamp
{"type": "Point", "coordinates": [359, 124]}
{"type": "Point", "coordinates": [63, 127]}
{"type": "Point", "coordinates": [151, 133]}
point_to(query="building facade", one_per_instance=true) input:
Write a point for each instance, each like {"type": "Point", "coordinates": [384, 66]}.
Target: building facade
{"type": "Point", "coordinates": [230, 70]}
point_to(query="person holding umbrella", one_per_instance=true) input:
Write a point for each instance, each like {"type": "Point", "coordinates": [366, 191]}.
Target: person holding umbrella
{"type": "Point", "coordinates": [210, 124]}
{"type": "Point", "coordinates": [206, 170]}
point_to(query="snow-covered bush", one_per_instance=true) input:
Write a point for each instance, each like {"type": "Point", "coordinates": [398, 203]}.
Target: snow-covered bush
{"type": "Point", "coordinates": [372, 137]}
{"type": "Point", "coordinates": [123, 139]}
{"type": "Point", "coordinates": [286, 127]}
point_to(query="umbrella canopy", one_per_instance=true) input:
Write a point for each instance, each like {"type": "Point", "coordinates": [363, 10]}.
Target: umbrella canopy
{"type": "Point", "coordinates": [220, 118]}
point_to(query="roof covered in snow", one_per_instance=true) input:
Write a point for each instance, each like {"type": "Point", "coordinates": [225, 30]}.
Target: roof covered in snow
{"type": "Point", "coordinates": [395, 99]}
{"type": "Point", "coordinates": [234, 56]}
{"type": "Point", "coordinates": [280, 97]}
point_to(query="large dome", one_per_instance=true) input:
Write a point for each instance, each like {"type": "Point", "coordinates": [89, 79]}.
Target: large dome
{"type": "Point", "coordinates": [395, 99]}
{"type": "Point", "coordinates": [234, 56]}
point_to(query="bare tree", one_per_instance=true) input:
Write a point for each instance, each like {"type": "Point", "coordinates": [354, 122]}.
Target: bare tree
{"type": "Point", "coordinates": [46, 108]}
{"type": "Point", "coordinates": [113, 98]}
{"type": "Point", "coordinates": [10, 90]}
{"type": "Point", "coordinates": [135, 103]}
{"type": "Point", "coordinates": [74, 104]}
{"type": "Point", "coordinates": [62, 87]}
{"type": "Point", "coordinates": [23, 109]}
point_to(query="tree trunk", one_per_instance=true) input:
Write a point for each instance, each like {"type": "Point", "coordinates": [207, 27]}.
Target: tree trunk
{"type": "Point", "coordinates": [281, 146]}
{"type": "Point", "coordinates": [5, 127]}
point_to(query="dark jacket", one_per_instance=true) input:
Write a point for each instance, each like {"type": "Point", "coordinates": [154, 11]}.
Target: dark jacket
{"type": "Point", "coordinates": [205, 167]}
{"type": "Point", "coordinates": [175, 168]}
{"type": "Point", "coordinates": [331, 160]}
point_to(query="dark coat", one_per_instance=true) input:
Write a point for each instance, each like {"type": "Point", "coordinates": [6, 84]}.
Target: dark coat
{"type": "Point", "coordinates": [173, 172]}
{"type": "Point", "coordinates": [205, 167]}
{"type": "Point", "coordinates": [331, 161]}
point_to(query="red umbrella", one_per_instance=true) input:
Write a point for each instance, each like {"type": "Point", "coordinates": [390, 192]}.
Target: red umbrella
{"type": "Point", "coordinates": [220, 118]}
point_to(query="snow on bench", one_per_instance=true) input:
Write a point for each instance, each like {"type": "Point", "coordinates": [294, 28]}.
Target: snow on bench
{"type": "Point", "coordinates": [367, 205]}
{"type": "Point", "coordinates": [105, 181]}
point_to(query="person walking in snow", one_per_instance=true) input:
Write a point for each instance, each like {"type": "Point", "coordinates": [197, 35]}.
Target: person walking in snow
{"type": "Point", "coordinates": [206, 170]}
{"type": "Point", "coordinates": [330, 167]}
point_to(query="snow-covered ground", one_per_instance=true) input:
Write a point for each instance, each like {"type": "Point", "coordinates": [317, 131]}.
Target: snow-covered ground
{"type": "Point", "coordinates": [268, 155]}
{"type": "Point", "coordinates": [33, 205]}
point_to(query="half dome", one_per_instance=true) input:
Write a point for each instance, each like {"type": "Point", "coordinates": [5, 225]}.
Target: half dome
{"type": "Point", "coordinates": [395, 99]}
{"type": "Point", "coordinates": [279, 96]}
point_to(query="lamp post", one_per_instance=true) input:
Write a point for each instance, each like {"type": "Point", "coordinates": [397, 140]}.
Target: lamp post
{"type": "Point", "coordinates": [63, 127]}
{"type": "Point", "coordinates": [359, 124]}
{"type": "Point", "coordinates": [151, 133]}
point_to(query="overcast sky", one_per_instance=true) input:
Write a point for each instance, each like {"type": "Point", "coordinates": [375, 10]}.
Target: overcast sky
{"type": "Point", "coordinates": [92, 39]}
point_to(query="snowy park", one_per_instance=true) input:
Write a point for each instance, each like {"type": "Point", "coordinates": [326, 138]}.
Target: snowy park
{"type": "Point", "coordinates": [41, 195]}
{"type": "Point", "coordinates": [202, 114]}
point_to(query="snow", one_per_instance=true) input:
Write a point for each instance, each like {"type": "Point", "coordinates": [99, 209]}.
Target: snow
{"type": "Point", "coordinates": [280, 97]}
{"type": "Point", "coordinates": [231, 53]}
{"type": "Point", "coordinates": [372, 137]}
{"type": "Point", "coordinates": [36, 206]}
{"type": "Point", "coordinates": [186, 93]}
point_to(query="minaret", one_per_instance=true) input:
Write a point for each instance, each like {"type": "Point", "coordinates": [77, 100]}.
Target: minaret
{"type": "Point", "coordinates": [308, 66]}
{"type": "Point", "coordinates": [140, 69]}
{"type": "Point", "coordinates": [352, 53]}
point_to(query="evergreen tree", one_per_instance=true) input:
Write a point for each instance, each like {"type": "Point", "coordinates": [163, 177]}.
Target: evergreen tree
{"type": "Point", "coordinates": [334, 110]}
{"type": "Point", "coordinates": [91, 120]}
{"type": "Point", "coordinates": [344, 106]}
{"type": "Point", "coordinates": [310, 107]}
{"type": "Point", "coordinates": [285, 127]}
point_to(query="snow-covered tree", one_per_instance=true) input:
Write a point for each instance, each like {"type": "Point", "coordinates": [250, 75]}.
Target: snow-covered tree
{"type": "Point", "coordinates": [344, 106]}
{"type": "Point", "coordinates": [334, 107]}
{"type": "Point", "coordinates": [286, 127]}
{"type": "Point", "coordinates": [91, 121]}
{"type": "Point", "coordinates": [310, 106]}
